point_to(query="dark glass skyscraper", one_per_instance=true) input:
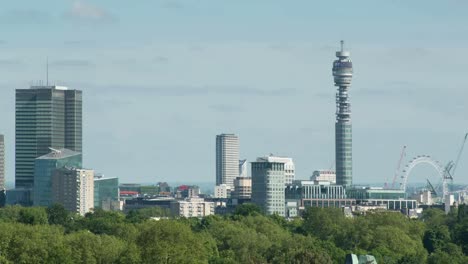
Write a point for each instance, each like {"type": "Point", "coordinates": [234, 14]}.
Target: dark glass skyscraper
{"type": "Point", "coordinates": [46, 117]}
{"type": "Point", "coordinates": [343, 73]}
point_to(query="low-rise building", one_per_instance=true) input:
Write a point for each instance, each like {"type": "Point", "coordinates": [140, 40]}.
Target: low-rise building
{"type": "Point", "coordinates": [193, 207]}
{"type": "Point", "coordinates": [106, 193]}
{"type": "Point", "coordinates": [222, 191]}
{"type": "Point", "coordinates": [242, 188]}
{"type": "Point", "coordinates": [324, 176]}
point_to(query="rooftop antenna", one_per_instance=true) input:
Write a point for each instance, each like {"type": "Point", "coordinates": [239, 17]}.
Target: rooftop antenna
{"type": "Point", "coordinates": [342, 45]}
{"type": "Point", "coordinates": [47, 71]}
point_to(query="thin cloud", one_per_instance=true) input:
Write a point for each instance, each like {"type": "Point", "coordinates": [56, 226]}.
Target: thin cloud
{"type": "Point", "coordinates": [71, 63]}
{"type": "Point", "coordinates": [215, 90]}
{"type": "Point", "coordinates": [172, 5]}
{"type": "Point", "coordinates": [10, 63]}
{"type": "Point", "coordinates": [25, 16]}
{"type": "Point", "coordinates": [161, 60]}
{"type": "Point", "coordinates": [226, 108]}
{"type": "Point", "coordinates": [82, 11]}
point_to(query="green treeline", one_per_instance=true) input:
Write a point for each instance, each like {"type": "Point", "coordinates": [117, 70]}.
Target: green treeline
{"type": "Point", "coordinates": [52, 235]}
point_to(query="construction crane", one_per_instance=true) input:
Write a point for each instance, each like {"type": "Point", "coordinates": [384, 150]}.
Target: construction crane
{"type": "Point", "coordinates": [451, 167]}
{"type": "Point", "coordinates": [402, 155]}
{"type": "Point", "coordinates": [459, 154]}
{"type": "Point", "coordinates": [431, 188]}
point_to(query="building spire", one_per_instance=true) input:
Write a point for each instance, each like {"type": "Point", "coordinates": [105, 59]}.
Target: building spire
{"type": "Point", "coordinates": [342, 45]}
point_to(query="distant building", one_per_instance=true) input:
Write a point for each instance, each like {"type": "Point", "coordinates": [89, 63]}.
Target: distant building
{"type": "Point", "coordinates": [19, 196]}
{"type": "Point", "coordinates": [44, 168]}
{"type": "Point", "coordinates": [268, 179]}
{"type": "Point", "coordinates": [392, 199]}
{"type": "Point", "coordinates": [227, 159]}
{"type": "Point", "coordinates": [140, 202]}
{"type": "Point", "coordinates": [324, 176]}
{"type": "Point", "coordinates": [242, 188]}
{"type": "Point", "coordinates": [193, 207]}
{"type": "Point", "coordinates": [106, 191]}
{"type": "Point", "coordinates": [74, 189]}
{"type": "Point", "coordinates": [2, 162]}
{"type": "Point", "coordinates": [243, 168]}
{"type": "Point", "coordinates": [46, 117]}
{"type": "Point", "coordinates": [222, 191]}
{"type": "Point", "coordinates": [311, 194]}
{"type": "Point", "coordinates": [130, 187]}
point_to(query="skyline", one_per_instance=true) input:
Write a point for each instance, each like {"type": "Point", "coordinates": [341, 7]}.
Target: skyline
{"type": "Point", "coordinates": [204, 78]}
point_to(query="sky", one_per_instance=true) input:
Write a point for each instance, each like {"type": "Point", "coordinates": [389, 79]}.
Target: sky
{"type": "Point", "coordinates": [161, 79]}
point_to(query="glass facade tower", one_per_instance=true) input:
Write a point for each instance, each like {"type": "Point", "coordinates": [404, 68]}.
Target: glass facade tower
{"type": "Point", "coordinates": [44, 168]}
{"type": "Point", "coordinates": [46, 116]}
{"type": "Point", "coordinates": [343, 73]}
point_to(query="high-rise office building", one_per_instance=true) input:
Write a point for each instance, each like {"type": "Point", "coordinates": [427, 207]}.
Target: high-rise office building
{"type": "Point", "coordinates": [289, 168]}
{"type": "Point", "coordinates": [268, 185]}
{"type": "Point", "coordinates": [227, 159]}
{"type": "Point", "coordinates": [44, 168]}
{"type": "Point", "coordinates": [343, 73]}
{"type": "Point", "coordinates": [2, 162]}
{"type": "Point", "coordinates": [74, 189]}
{"type": "Point", "coordinates": [46, 117]}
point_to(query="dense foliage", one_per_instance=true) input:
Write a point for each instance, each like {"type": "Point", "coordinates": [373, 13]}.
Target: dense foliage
{"type": "Point", "coordinates": [52, 235]}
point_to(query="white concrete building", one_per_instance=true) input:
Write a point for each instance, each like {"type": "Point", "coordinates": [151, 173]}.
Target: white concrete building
{"type": "Point", "coordinates": [227, 159]}
{"type": "Point", "coordinates": [74, 189]}
{"type": "Point", "coordinates": [324, 176]}
{"type": "Point", "coordinates": [193, 207]}
{"type": "Point", "coordinates": [222, 191]}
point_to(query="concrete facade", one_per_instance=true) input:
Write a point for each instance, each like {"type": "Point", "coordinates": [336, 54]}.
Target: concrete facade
{"type": "Point", "coordinates": [268, 184]}
{"type": "Point", "coordinates": [227, 159]}
{"type": "Point", "coordinates": [74, 189]}
{"type": "Point", "coordinates": [192, 207]}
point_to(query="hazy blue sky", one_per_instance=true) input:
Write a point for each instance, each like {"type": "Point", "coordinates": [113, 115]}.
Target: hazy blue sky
{"type": "Point", "coordinates": [162, 78]}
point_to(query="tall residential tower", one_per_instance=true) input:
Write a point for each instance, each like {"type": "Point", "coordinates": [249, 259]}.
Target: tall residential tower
{"type": "Point", "coordinates": [227, 159]}
{"type": "Point", "coordinates": [343, 73]}
{"type": "Point", "coordinates": [46, 117]}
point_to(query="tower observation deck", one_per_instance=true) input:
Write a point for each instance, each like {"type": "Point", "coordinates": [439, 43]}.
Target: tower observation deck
{"type": "Point", "coordinates": [342, 74]}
